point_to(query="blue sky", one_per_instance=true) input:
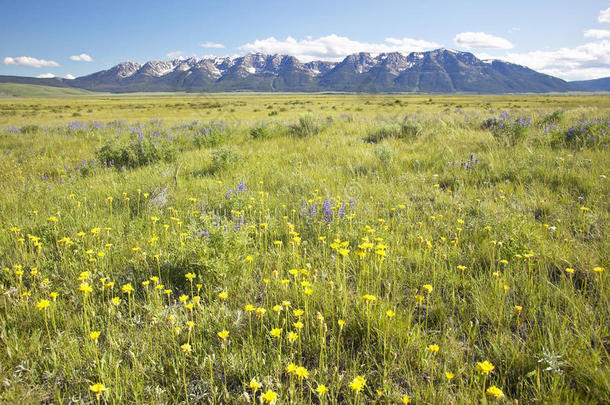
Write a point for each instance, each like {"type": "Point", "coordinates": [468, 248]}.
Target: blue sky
{"type": "Point", "coordinates": [565, 38]}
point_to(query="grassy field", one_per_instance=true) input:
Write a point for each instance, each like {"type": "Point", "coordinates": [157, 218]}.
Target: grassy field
{"type": "Point", "coordinates": [293, 248]}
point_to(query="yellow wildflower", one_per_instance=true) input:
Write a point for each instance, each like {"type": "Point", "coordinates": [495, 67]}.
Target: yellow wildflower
{"type": "Point", "coordinates": [98, 389]}
{"type": "Point", "coordinates": [494, 392]}
{"type": "Point", "coordinates": [358, 383]}
{"type": "Point", "coordinates": [485, 367]}
{"type": "Point", "coordinates": [43, 304]}
{"type": "Point", "coordinates": [269, 396]}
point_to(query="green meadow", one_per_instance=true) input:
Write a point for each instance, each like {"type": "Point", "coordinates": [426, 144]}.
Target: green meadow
{"type": "Point", "coordinates": [304, 248]}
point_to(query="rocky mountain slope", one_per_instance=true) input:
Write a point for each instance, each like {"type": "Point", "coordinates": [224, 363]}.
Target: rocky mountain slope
{"type": "Point", "coordinates": [438, 71]}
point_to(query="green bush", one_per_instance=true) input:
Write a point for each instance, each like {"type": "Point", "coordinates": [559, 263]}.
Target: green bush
{"type": "Point", "coordinates": [130, 153]}
{"type": "Point", "coordinates": [383, 131]}
{"type": "Point", "coordinates": [267, 130]}
{"type": "Point", "coordinates": [263, 131]}
{"type": "Point", "coordinates": [29, 129]}
{"type": "Point", "coordinates": [224, 157]}
{"type": "Point", "coordinates": [409, 128]}
{"type": "Point", "coordinates": [385, 154]}
{"type": "Point", "coordinates": [260, 131]}
{"type": "Point", "coordinates": [554, 118]}
{"type": "Point", "coordinates": [509, 130]}
{"type": "Point", "coordinates": [308, 125]}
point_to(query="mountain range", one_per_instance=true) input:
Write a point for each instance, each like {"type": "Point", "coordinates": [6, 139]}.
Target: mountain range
{"type": "Point", "coordinates": [438, 71]}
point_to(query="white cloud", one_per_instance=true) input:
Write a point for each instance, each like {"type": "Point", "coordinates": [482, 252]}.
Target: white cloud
{"type": "Point", "coordinates": [83, 57]}
{"type": "Point", "coordinates": [174, 54]}
{"type": "Point", "coordinates": [604, 16]}
{"type": "Point", "coordinates": [587, 61]}
{"type": "Point", "coordinates": [480, 40]}
{"type": "Point", "coordinates": [69, 76]}
{"type": "Point", "coordinates": [598, 34]}
{"type": "Point", "coordinates": [333, 47]}
{"type": "Point", "coordinates": [212, 45]}
{"type": "Point", "coordinates": [46, 76]}
{"type": "Point", "coordinates": [29, 62]}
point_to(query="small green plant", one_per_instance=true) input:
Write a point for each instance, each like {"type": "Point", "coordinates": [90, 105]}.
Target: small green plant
{"type": "Point", "coordinates": [265, 130]}
{"type": "Point", "coordinates": [308, 125]}
{"type": "Point", "coordinates": [224, 157]}
{"type": "Point", "coordinates": [261, 131]}
{"type": "Point", "coordinates": [555, 118]}
{"type": "Point", "coordinates": [385, 153]}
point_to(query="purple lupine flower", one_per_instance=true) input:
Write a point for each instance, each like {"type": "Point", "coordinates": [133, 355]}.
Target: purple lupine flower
{"type": "Point", "coordinates": [312, 209]}
{"type": "Point", "coordinates": [328, 211]}
{"type": "Point", "coordinates": [239, 223]}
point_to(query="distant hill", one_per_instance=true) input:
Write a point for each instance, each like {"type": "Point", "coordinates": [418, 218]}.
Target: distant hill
{"type": "Point", "coordinates": [592, 85]}
{"type": "Point", "coordinates": [35, 90]}
{"type": "Point", "coordinates": [54, 82]}
{"type": "Point", "coordinates": [438, 71]}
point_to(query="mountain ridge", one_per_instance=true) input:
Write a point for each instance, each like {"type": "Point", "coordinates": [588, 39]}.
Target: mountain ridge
{"type": "Point", "coordinates": [437, 71]}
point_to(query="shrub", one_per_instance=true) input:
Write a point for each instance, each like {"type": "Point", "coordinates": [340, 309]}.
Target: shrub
{"type": "Point", "coordinates": [29, 129]}
{"type": "Point", "coordinates": [554, 118]}
{"type": "Point", "coordinates": [509, 130]}
{"type": "Point", "coordinates": [385, 154]}
{"type": "Point", "coordinates": [131, 153]}
{"type": "Point", "coordinates": [308, 125]}
{"type": "Point", "coordinates": [409, 128]}
{"type": "Point", "coordinates": [491, 123]}
{"type": "Point", "coordinates": [224, 157]}
{"type": "Point", "coordinates": [383, 131]}
{"type": "Point", "coordinates": [262, 131]}
{"type": "Point", "coordinates": [267, 130]}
